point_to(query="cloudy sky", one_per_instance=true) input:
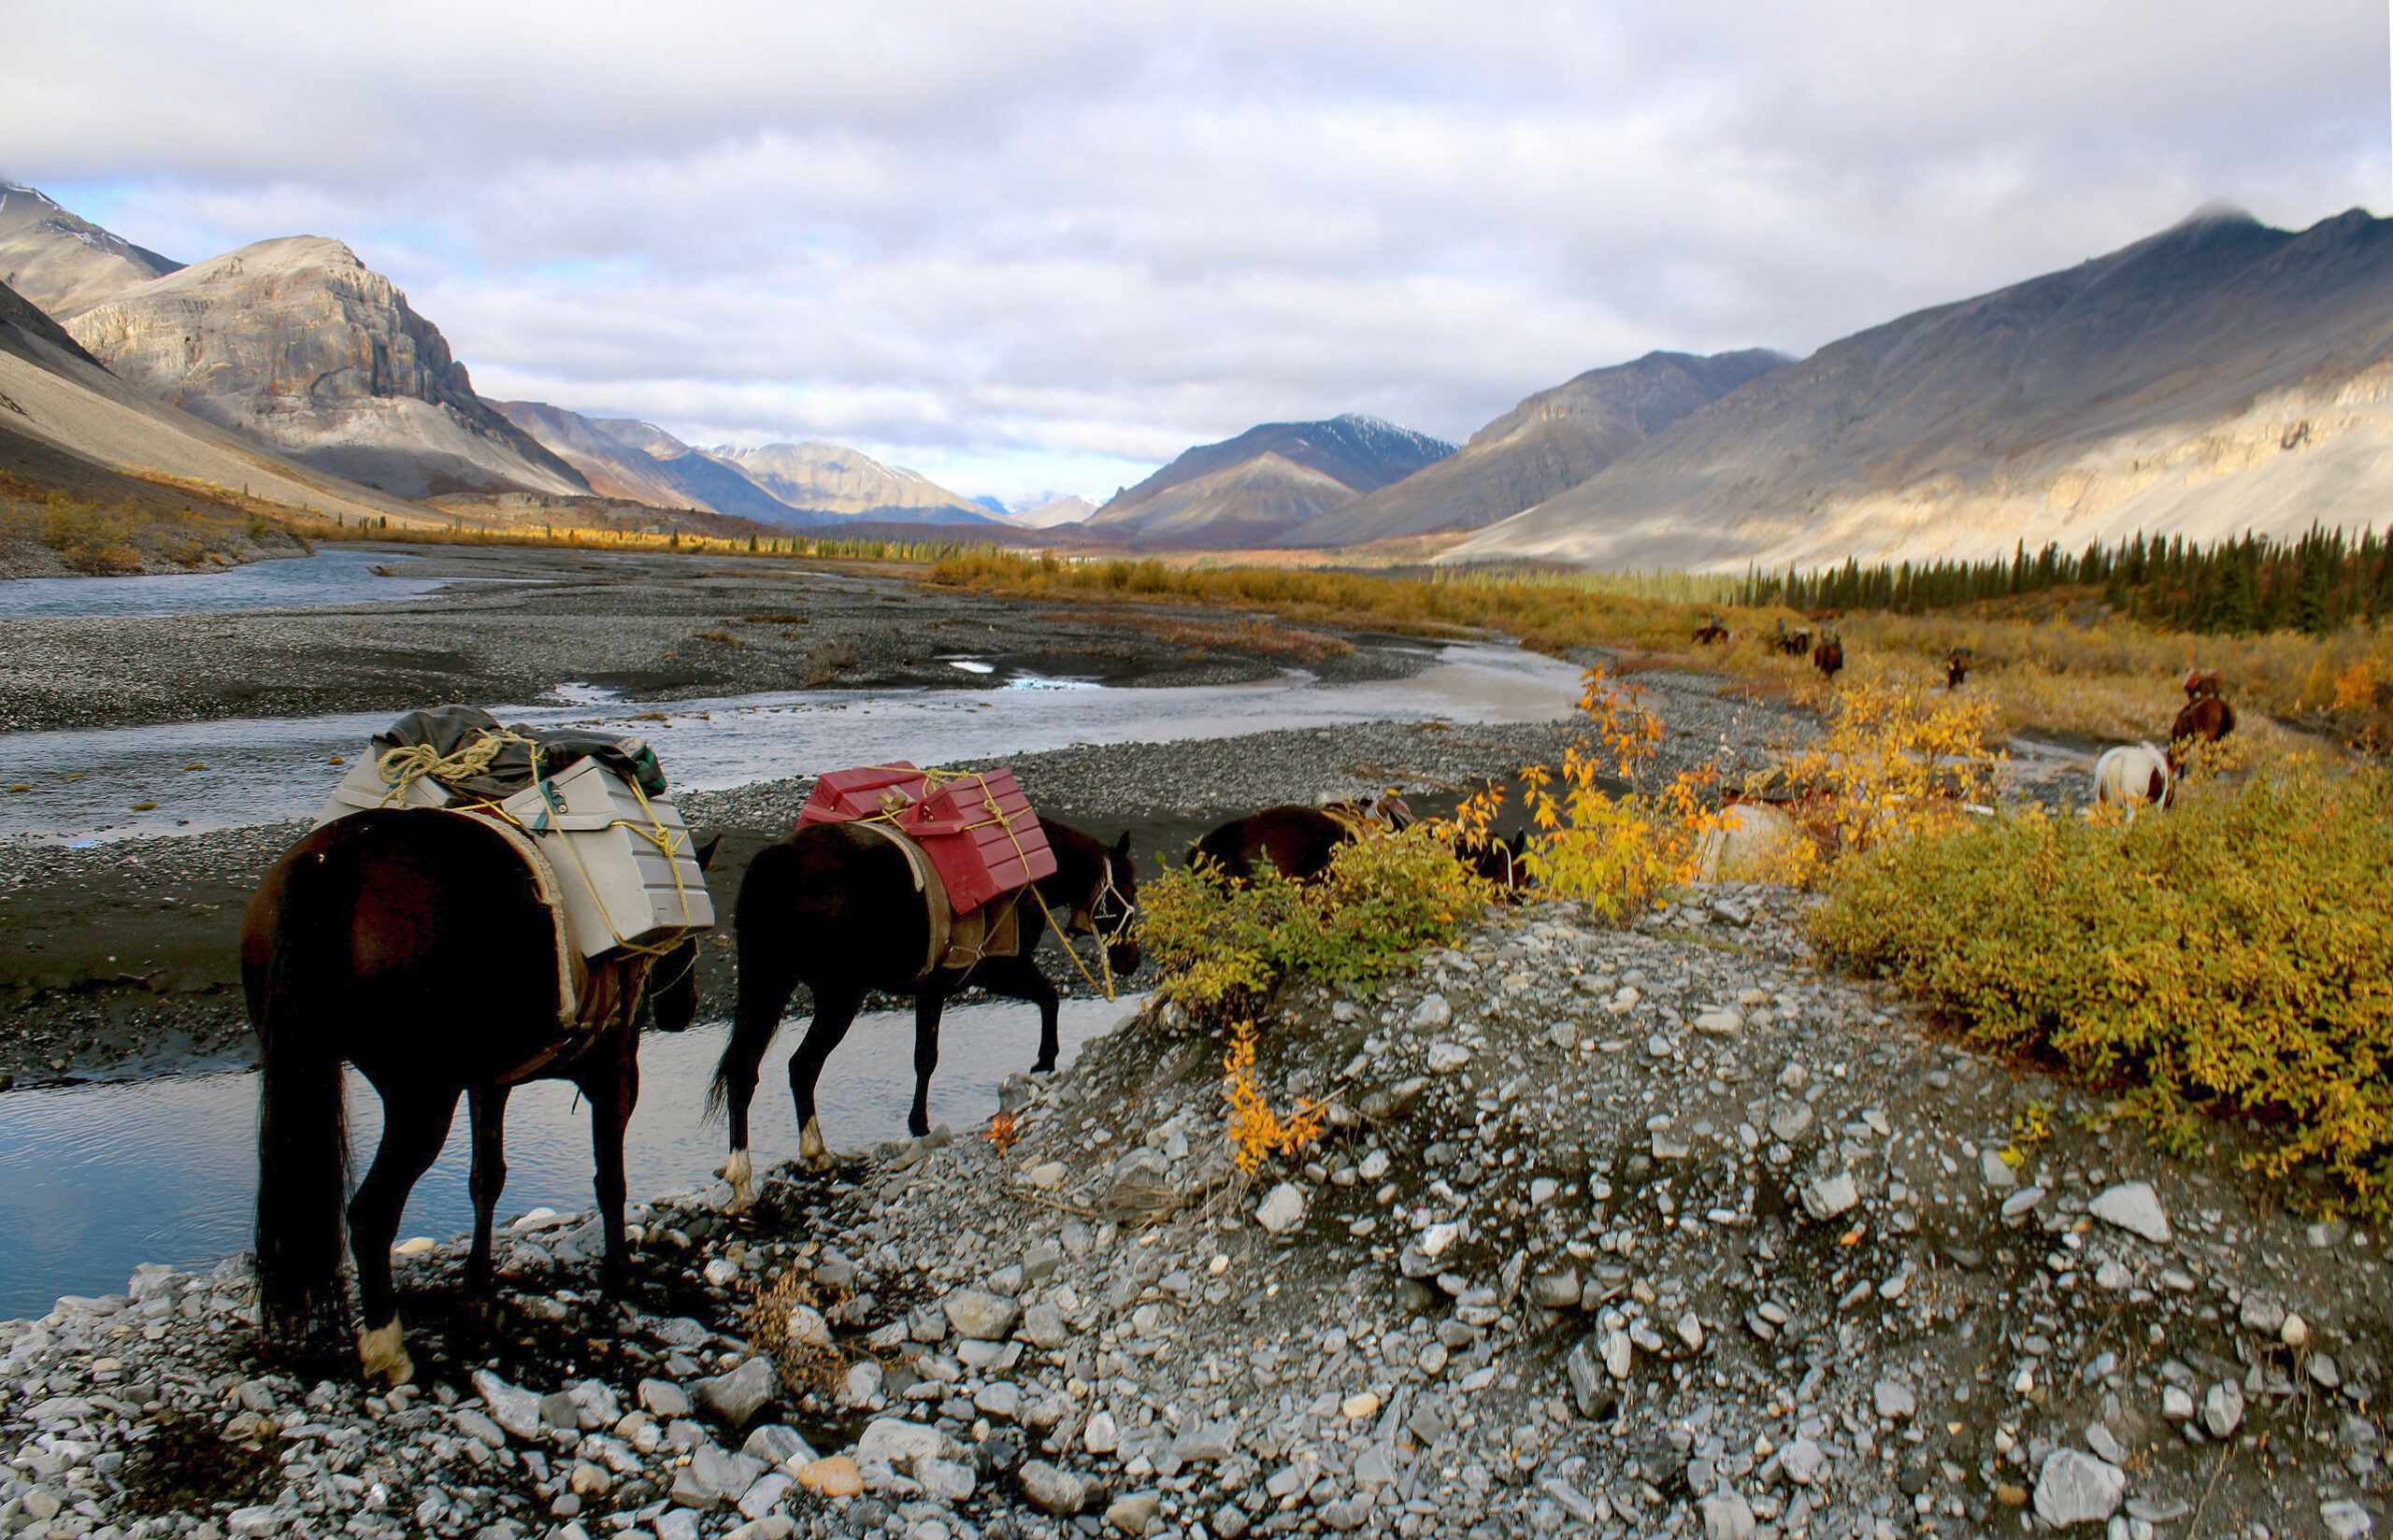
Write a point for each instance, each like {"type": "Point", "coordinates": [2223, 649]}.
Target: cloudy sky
{"type": "Point", "coordinates": [1030, 245]}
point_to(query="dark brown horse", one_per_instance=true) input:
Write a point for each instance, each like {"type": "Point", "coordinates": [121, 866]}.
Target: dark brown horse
{"type": "Point", "coordinates": [1793, 644]}
{"type": "Point", "coordinates": [1829, 658]}
{"type": "Point", "coordinates": [414, 945]}
{"type": "Point", "coordinates": [1295, 840]}
{"type": "Point", "coordinates": [836, 906]}
{"type": "Point", "coordinates": [1499, 858]}
{"type": "Point", "coordinates": [1711, 633]}
{"type": "Point", "coordinates": [2206, 719]}
{"type": "Point", "coordinates": [1956, 667]}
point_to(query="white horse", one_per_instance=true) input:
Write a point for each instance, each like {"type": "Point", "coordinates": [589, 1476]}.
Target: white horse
{"type": "Point", "coordinates": [2133, 775]}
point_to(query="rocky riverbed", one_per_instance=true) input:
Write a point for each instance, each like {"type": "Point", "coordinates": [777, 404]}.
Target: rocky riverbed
{"type": "Point", "coordinates": [1611, 1232]}
{"type": "Point", "coordinates": [119, 959]}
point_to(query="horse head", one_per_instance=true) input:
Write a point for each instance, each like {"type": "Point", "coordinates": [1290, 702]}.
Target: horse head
{"type": "Point", "coordinates": [1113, 911]}
{"type": "Point", "coordinates": [673, 977]}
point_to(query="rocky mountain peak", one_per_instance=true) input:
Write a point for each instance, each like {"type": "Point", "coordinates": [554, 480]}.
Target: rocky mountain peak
{"type": "Point", "coordinates": [64, 263]}
{"type": "Point", "coordinates": [297, 342]}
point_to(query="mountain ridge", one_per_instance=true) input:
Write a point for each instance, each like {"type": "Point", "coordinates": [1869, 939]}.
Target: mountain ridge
{"type": "Point", "coordinates": [1304, 469]}
{"type": "Point", "coordinates": [1550, 441]}
{"type": "Point", "coordinates": [2217, 376]}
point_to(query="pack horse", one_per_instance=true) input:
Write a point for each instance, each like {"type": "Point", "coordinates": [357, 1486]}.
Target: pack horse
{"type": "Point", "coordinates": [475, 908]}
{"type": "Point", "coordinates": [915, 884]}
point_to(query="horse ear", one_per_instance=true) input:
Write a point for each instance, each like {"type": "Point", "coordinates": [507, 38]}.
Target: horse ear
{"type": "Point", "coordinates": [1122, 846]}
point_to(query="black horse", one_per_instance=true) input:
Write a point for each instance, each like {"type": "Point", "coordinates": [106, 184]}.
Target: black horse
{"type": "Point", "coordinates": [414, 944]}
{"type": "Point", "coordinates": [836, 906]}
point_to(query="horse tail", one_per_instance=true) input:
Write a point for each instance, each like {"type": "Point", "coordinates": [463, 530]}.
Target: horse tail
{"type": "Point", "coordinates": [303, 1133]}
{"type": "Point", "coordinates": [766, 916]}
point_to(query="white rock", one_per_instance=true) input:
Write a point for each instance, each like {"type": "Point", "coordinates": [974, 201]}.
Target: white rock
{"type": "Point", "coordinates": [1282, 1210]}
{"type": "Point", "coordinates": [2133, 1206]}
{"type": "Point", "coordinates": [979, 1316]}
{"type": "Point", "coordinates": [1826, 1197]}
{"type": "Point", "coordinates": [1438, 1239]}
{"type": "Point", "coordinates": [2075, 1488]}
{"type": "Point", "coordinates": [2223, 1409]}
{"type": "Point", "coordinates": [1619, 1355]}
{"type": "Point", "coordinates": [1726, 1516]}
{"type": "Point", "coordinates": [808, 1328]}
{"type": "Point", "coordinates": [898, 1442]}
{"type": "Point", "coordinates": [1894, 1398]}
{"type": "Point", "coordinates": [1446, 1058]}
{"type": "Point", "coordinates": [513, 1408]}
{"type": "Point", "coordinates": [1432, 1012]}
{"type": "Point", "coordinates": [2346, 1520]}
{"type": "Point", "coordinates": [1051, 1490]}
{"type": "Point", "coordinates": [1101, 1436]}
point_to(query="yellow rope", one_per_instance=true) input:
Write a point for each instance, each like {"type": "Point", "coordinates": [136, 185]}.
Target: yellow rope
{"type": "Point", "coordinates": [400, 768]}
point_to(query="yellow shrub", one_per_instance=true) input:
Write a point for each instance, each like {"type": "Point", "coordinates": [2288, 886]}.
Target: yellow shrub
{"type": "Point", "coordinates": [1895, 760]}
{"type": "Point", "coordinates": [2231, 955]}
{"type": "Point", "coordinates": [1221, 946]}
{"type": "Point", "coordinates": [1256, 1132]}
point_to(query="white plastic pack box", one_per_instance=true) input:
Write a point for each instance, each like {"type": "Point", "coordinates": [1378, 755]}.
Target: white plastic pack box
{"type": "Point", "coordinates": [628, 870]}
{"type": "Point", "coordinates": [363, 788]}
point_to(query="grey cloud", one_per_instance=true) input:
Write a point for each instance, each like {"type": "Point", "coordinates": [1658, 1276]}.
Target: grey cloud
{"type": "Point", "coordinates": [1082, 229]}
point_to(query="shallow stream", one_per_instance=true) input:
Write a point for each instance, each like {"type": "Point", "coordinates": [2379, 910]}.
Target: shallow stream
{"type": "Point", "coordinates": [96, 1178]}
{"type": "Point", "coordinates": [88, 785]}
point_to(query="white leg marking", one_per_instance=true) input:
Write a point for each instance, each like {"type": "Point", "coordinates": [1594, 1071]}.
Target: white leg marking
{"type": "Point", "coordinates": [811, 1147]}
{"type": "Point", "coordinates": [383, 1355]}
{"type": "Point", "coordinates": [740, 1173]}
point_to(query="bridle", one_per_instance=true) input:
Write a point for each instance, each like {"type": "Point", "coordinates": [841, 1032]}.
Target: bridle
{"type": "Point", "coordinates": [1086, 920]}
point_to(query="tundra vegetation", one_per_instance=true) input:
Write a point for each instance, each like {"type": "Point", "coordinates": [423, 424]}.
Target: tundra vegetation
{"type": "Point", "coordinates": [2225, 959]}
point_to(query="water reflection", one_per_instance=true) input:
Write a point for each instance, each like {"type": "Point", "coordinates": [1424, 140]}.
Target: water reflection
{"type": "Point", "coordinates": [94, 1180]}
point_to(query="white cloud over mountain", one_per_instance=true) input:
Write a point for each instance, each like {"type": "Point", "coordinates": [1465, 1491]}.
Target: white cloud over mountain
{"type": "Point", "coordinates": [1053, 244]}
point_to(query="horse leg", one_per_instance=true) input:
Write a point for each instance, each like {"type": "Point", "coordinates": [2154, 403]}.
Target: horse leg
{"type": "Point", "coordinates": [486, 1110]}
{"type": "Point", "coordinates": [834, 1013]}
{"type": "Point", "coordinates": [415, 1124]}
{"type": "Point", "coordinates": [1019, 979]}
{"type": "Point", "coordinates": [765, 983]}
{"type": "Point", "coordinates": [927, 1005]}
{"type": "Point", "coordinates": [613, 1089]}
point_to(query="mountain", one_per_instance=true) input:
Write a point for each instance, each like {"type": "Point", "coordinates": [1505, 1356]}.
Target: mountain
{"type": "Point", "coordinates": [1548, 443]}
{"type": "Point", "coordinates": [612, 467]}
{"type": "Point", "coordinates": [1266, 482]}
{"type": "Point", "coordinates": [62, 263]}
{"type": "Point", "coordinates": [300, 345]}
{"type": "Point", "coordinates": [647, 437]}
{"type": "Point", "coordinates": [623, 457]}
{"type": "Point", "coordinates": [843, 483]}
{"type": "Point", "coordinates": [2218, 378]}
{"type": "Point", "coordinates": [1051, 510]}
{"type": "Point", "coordinates": [66, 422]}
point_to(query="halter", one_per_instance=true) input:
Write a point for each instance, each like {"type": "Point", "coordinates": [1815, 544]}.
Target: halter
{"type": "Point", "coordinates": [1104, 890]}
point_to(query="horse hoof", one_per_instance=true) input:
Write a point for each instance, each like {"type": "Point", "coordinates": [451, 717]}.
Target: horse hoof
{"type": "Point", "coordinates": [812, 1148]}
{"type": "Point", "coordinates": [383, 1356]}
{"type": "Point", "coordinates": [740, 1173]}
